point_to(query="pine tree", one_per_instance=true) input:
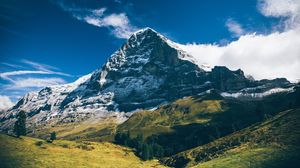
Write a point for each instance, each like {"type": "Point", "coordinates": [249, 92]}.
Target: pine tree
{"type": "Point", "coordinates": [136, 141]}
{"type": "Point", "coordinates": [145, 152]}
{"type": "Point", "coordinates": [140, 137]}
{"type": "Point", "coordinates": [20, 124]}
{"type": "Point", "coordinates": [259, 111]}
{"type": "Point", "coordinates": [118, 138]}
{"type": "Point", "coordinates": [53, 136]}
{"type": "Point", "coordinates": [150, 148]}
{"type": "Point", "coordinates": [128, 142]}
{"type": "Point", "coordinates": [158, 151]}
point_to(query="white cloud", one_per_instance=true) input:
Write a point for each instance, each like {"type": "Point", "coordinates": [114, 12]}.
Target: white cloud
{"type": "Point", "coordinates": [116, 20]}
{"type": "Point", "coordinates": [6, 75]}
{"type": "Point", "coordinates": [288, 9]}
{"type": "Point", "coordinates": [5, 102]}
{"type": "Point", "coordinates": [12, 65]}
{"type": "Point", "coordinates": [39, 66]}
{"type": "Point", "coordinates": [234, 27]}
{"type": "Point", "coordinates": [47, 69]}
{"type": "Point", "coordinates": [34, 83]}
{"type": "Point", "coordinates": [9, 75]}
{"type": "Point", "coordinates": [99, 12]}
{"type": "Point", "coordinates": [120, 24]}
{"type": "Point", "coordinates": [17, 81]}
{"type": "Point", "coordinates": [40, 69]}
{"type": "Point", "coordinates": [93, 21]}
{"type": "Point", "coordinates": [263, 56]}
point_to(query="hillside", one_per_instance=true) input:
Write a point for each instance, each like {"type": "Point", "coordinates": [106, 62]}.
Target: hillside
{"type": "Point", "coordinates": [180, 112]}
{"type": "Point", "coordinates": [272, 143]}
{"type": "Point", "coordinates": [178, 126]}
{"type": "Point", "coordinates": [86, 130]}
{"type": "Point", "coordinates": [198, 120]}
{"type": "Point", "coordinates": [30, 152]}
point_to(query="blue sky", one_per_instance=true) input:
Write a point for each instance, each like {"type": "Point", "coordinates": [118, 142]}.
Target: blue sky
{"type": "Point", "coordinates": [56, 41]}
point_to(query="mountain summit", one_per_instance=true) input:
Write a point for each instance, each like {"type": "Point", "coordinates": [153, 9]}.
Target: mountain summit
{"type": "Point", "coordinates": [146, 71]}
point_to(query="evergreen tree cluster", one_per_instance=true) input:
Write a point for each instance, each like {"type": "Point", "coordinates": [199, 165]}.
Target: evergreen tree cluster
{"type": "Point", "coordinates": [20, 124]}
{"type": "Point", "coordinates": [147, 150]}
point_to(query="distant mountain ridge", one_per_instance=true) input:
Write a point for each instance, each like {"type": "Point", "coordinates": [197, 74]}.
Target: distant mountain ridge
{"type": "Point", "coordinates": [148, 70]}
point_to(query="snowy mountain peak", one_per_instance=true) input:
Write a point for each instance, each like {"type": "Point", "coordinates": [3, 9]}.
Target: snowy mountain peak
{"type": "Point", "coordinates": [146, 71]}
{"type": "Point", "coordinates": [148, 34]}
{"type": "Point", "coordinates": [144, 47]}
{"type": "Point", "coordinates": [145, 30]}
{"type": "Point", "coordinates": [141, 36]}
{"type": "Point", "coordinates": [136, 71]}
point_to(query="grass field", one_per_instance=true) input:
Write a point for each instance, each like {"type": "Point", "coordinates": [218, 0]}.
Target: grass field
{"type": "Point", "coordinates": [26, 152]}
{"type": "Point", "coordinates": [252, 156]}
{"type": "Point", "coordinates": [92, 131]}
{"type": "Point", "coordinates": [272, 143]}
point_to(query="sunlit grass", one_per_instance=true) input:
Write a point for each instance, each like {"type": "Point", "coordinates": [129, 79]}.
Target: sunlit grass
{"type": "Point", "coordinates": [262, 157]}
{"type": "Point", "coordinates": [30, 152]}
{"type": "Point", "coordinates": [93, 131]}
{"type": "Point", "coordinates": [188, 110]}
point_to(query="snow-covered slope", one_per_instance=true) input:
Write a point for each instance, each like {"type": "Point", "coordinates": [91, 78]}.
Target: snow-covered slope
{"type": "Point", "coordinates": [250, 95]}
{"type": "Point", "coordinates": [141, 73]}
{"type": "Point", "coordinates": [146, 71]}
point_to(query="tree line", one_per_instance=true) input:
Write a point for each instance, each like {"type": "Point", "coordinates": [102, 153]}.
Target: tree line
{"type": "Point", "coordinates": [20, 127]}
{"type": "Point", "coordinates": [146, 150]}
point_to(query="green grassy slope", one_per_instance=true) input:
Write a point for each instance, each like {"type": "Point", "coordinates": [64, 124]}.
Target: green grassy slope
{"type": "Point", "coordinates": [273, 143]}
{"type": "Point", "coordinates": [89, 130]}
{"type": "Point", "coordinates": [198, 120]}
{"type": "Point", "coordinates": [181, 112]}
{"type": "Point", "coordinates": [30, 152]}
{"type": "Point", "coordinates": [203, 120]}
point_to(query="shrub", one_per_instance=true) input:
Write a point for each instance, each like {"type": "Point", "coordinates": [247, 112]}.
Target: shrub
{"type": "Point", "coordinates": [39, 143]}
{"type": "Point", "coordinates": [85, 147]}
{"type": "Point", "coordinates": [65, 145]}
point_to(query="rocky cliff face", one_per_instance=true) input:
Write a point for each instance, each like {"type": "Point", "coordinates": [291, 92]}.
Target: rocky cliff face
{"type": "Point", "coordinates": [143, 73]}
{"type": "Point", "coordinates": [146, 71]}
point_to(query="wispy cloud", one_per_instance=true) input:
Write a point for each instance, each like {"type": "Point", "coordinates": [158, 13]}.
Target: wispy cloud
{"type": "Point", "coordinates": [117, 22]}
{"type": "Point", "coordinates": [34, 83]}
{"type": "Point", "coordinates": [39, 69]}
{"type": "Point", "coordinates": [15, 66]}
{"type": "Point", "coordinates": [7, 75]}
{"type": "Point", "coordinates": [39, 66]}
{"type": "Point", "coordinates": [47, 69]}
{"type": "Point", "coordinates": [29, 76]}
{"type": "Point", "coordinates": [234, 27]}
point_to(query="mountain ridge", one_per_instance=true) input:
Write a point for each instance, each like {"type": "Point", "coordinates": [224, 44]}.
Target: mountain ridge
{"type": "Point", "coordinates": [147, 70]}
